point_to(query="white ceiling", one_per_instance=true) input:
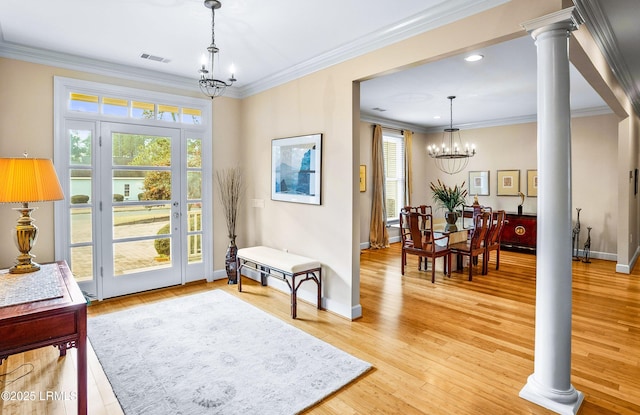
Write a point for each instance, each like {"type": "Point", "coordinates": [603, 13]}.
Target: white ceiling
{"type": "Point", "coordinates": [272, 42]}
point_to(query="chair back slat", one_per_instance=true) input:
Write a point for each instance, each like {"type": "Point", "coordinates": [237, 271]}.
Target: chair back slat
{"type": "Point", "coordinates": [495, 233]}
{"type": "Point", "coordinates": [481, 227]}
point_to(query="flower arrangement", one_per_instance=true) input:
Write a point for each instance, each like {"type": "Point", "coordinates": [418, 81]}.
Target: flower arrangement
{"type": "Point", "coordinates": [449, 197]}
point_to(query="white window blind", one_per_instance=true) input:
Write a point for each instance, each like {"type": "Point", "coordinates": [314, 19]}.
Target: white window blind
{"type": "Point", "coordinates": [393, 148]}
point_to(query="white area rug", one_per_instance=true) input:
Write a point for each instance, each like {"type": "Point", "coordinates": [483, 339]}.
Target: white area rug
{"type": "Point", "coordinates": [212, 353]}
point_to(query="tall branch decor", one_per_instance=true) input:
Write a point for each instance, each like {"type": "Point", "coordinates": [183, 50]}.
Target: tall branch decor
{"type": "Point", "coordinates": [230, 190]}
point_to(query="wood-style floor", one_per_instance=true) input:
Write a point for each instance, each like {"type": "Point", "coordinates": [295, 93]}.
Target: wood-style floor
{"type": "Point", "coordinates": [453, 347]}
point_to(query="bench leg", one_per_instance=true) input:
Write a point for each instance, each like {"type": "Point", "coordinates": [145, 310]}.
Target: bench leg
{"type": "Point", "coordinates": [263, 275]}
{"type": "Point", "coordinates": [319, 289]}
{"type": "Point", "coordinates": [294, 297]}
{"type": "Point", "coordinates": [239, 274]}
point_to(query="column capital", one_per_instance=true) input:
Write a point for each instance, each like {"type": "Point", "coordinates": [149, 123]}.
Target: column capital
{"type": "Point", "coordinates": [568, 19]}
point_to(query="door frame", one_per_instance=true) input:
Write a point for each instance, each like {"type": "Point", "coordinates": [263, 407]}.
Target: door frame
{"type": "Point", "coordinates": [63, 87]}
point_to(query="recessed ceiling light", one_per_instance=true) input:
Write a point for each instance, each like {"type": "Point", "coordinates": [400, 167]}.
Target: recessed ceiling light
{"type": "Point", "coordinates": [473, 58]}
{"type": "Point", "coordinates": [436, 117]}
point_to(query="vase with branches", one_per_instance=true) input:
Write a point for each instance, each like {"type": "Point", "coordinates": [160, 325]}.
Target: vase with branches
{"type": "Point", "coordinates": [230, 190]}
{"type": "Point", "coordinates": [449, 198]}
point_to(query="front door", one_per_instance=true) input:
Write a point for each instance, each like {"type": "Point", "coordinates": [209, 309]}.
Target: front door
{"type": "Point", "coordinates": [141, 208]}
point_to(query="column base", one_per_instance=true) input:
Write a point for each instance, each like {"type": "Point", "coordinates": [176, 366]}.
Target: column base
{"type": "Point", "coordinates": [561, 402]}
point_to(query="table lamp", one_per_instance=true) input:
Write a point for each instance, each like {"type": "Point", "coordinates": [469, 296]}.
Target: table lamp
{"type": "Point", "coordinates": [24, 180]}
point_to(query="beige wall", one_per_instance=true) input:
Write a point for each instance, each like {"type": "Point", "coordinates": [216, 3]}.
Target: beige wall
{"type": "Point", "coordinates": [26, 124]}
{"type": "Point", "coordinates": [513, 147]}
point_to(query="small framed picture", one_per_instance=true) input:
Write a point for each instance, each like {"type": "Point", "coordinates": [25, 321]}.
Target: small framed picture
{"type": "Point", "coordinates": [508, 182]}
{"type": "Point", "coordinates": [479, 183]}
{"type": "Point", "coordinates": [296, 164]}
{"type": "Point", "coordinates": [363, 178]}
{"type": "Point", "coordinates": [532, 183]}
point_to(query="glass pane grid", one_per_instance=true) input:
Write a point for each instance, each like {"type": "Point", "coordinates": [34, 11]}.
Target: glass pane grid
{"type": "Point", "coordinates": [123, 107]}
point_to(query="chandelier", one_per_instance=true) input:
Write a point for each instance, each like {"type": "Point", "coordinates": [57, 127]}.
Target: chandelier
{"type": "Point", "coordinates": [209, 85]}
{"type": "Point", "coordinates": [451, 158]}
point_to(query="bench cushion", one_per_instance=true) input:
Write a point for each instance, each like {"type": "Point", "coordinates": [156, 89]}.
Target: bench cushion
{"type": "Point", "coordinates": [277, 259]}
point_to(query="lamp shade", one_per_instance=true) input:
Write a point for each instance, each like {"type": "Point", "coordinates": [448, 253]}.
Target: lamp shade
{"type": "Point", "coordinates": [28, 180]}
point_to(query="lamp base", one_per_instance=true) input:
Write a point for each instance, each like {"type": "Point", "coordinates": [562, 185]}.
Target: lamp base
{"type": "Point", "coordinates": [25, 238]}
{"type": "Point", "coordinates": [24, 268]}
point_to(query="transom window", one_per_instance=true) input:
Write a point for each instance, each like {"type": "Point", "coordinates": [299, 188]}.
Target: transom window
{"type": "Point", "coordinates": [126, 108]}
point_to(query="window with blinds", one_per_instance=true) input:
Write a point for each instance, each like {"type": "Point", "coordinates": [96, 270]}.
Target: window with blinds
{"type": "Point", "coordinates": [393, 148]}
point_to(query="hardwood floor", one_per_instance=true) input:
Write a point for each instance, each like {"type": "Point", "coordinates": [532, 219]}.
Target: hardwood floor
{"type": "Point", "coordinates": [453, 347]}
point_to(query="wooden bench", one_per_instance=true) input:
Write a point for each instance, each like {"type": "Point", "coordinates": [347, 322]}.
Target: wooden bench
{"type": "Point", "coordinates": [270, 262]}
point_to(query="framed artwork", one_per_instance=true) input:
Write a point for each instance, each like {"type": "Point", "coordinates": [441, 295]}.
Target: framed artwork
{"type": "Point", "coordinates": [363, 178]}
{"type": "Point", "coordinates": [479, 183]}
{"type": "Point", "coordinates": [532, 183]}
{"type": "Point", "coordinates": [508, 182]}
{"type": "Point", "coordinates": [296, 164]}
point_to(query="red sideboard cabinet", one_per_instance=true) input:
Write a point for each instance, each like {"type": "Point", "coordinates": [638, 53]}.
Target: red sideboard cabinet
{"type": "Point", "coordinates": [520, 232]}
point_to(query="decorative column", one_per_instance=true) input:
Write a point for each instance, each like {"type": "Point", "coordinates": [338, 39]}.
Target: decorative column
{"type": "Point", "coordinates": [550, 384]}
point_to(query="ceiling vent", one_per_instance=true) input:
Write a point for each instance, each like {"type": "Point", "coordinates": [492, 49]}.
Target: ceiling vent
{"type": "Point", "coordinates": [154, 58]}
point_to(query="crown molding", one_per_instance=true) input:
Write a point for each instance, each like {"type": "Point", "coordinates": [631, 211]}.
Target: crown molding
{"type": "Point", "coordinates": [498, 122]}
{"type": "Point", "coordinates": [442, 14]}
{"type": "Point", "coordinates": [600, 27]}
{"type": "Point", "coordinates": [445, 13]}
{"type": "Point", "coordinates": [524, 119]}
{"type": "Point", "coordinates": [99, 67]}
{"type": "Point", "coordinates": [384, 122]}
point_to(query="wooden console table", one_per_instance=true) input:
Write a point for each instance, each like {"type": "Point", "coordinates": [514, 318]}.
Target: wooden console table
{"type": "Point", "coordinates": [59, 322]}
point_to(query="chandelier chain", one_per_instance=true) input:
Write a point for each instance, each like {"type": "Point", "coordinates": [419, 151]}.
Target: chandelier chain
{"type": "Point", "coordinates": [209, 85]}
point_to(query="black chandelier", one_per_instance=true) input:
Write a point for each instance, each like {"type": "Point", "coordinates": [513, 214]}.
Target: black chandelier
{"type": "Point", "coordinates": [451, 158]}
{"type": "Point", "coordinates": [209, 85]}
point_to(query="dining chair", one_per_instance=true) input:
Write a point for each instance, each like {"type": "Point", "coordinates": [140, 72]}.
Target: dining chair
{"type": "Point", "coordinates": [404, 230]}
{"type": "Point", "coordinates": [494, 237]}
{"type": "Point", "coordinates": [420, 240]}
{"type": "Point", "coordinates": [475, 246]}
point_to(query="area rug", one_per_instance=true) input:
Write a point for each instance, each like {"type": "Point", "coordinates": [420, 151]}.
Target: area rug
{"type": "Point", "coordinates": [211, 353]}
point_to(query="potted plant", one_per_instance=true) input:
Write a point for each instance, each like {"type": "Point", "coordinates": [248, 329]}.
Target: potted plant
{"type": "Point", "coordinates": [449, 198]}
{"type": "Point", "coordinates": [230, 189]}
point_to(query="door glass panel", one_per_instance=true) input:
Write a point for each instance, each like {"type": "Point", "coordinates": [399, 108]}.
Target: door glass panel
{"type": "Point", "coordinates": [82, 262]}
{"type": "Point", "coordinates": [194, 233]}
{"type": "Point", "coordinates": [80, 186]}
{"type": "Point", "coordinates": [80, 147]}
{"type": "Point", "coordinates": [195, 217]}
{"type": "Point", "coordinates": [194, 185]}
{"type": "Point", "coordinates": [194, 152]}
{"type": "Point", "coordinates": [140, 150]}
{"type": "Point", "coordinates": [138, 221]}
{"type": "Point", "coordinates": [81, 227]}
{"type": "Point", "coordinates": [139, 256]}
{"type": "Point", "coordinates": [194, 243]}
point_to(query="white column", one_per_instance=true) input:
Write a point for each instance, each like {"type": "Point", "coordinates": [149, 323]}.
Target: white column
{"type": "Point", "coordinates": [550, 384]}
